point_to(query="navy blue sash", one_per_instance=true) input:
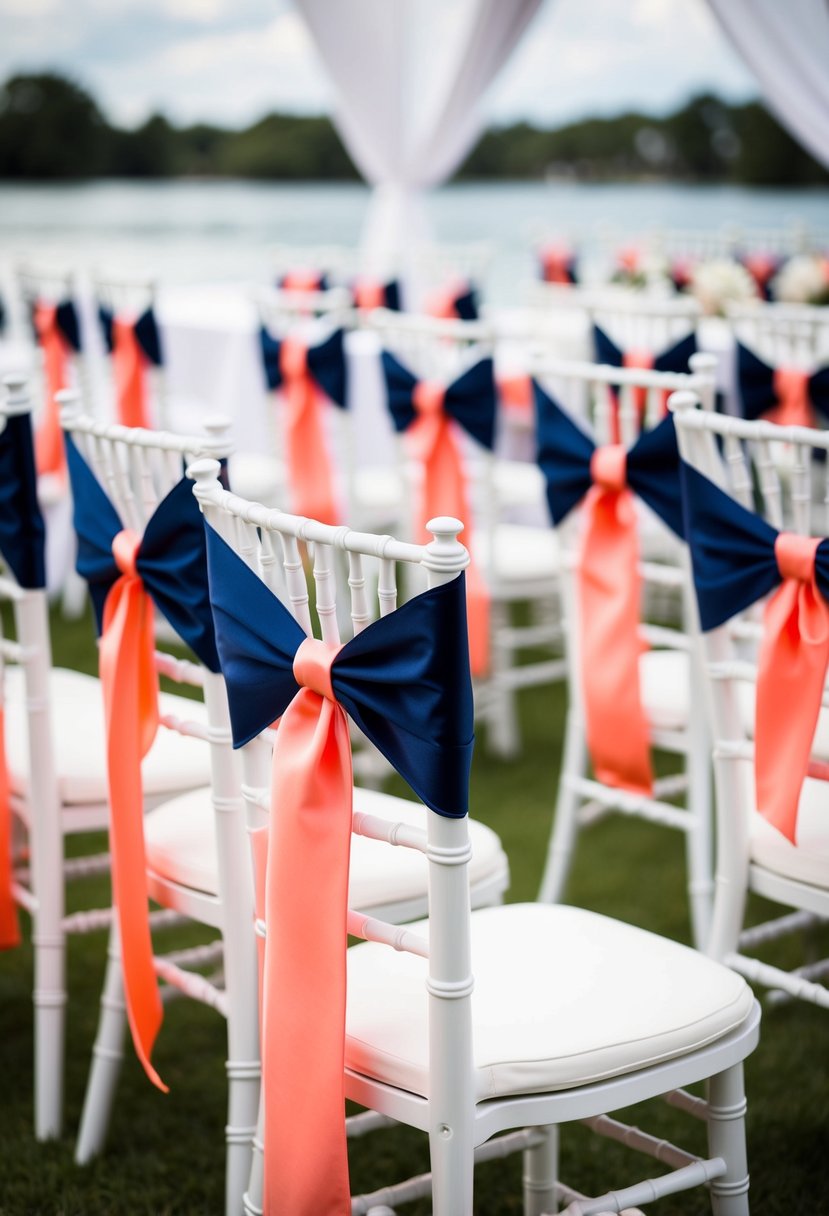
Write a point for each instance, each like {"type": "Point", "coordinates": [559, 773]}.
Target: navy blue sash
{"type": "Point", "coordinates": [326, 363]}
{"type": "Point", "coordinates": [22, 533]}
{"type": "Point", "coordinates": [756, 383]}
{"type": "Point", "coordinates": [471, 400]}
{"type": "Point", "coordinates": [145, 329]}
{"type": "Point", "coordinates": [673, 359]}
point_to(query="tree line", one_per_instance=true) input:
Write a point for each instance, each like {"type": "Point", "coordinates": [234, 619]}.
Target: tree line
{"type": "Point", "coordinates": [51, 128]}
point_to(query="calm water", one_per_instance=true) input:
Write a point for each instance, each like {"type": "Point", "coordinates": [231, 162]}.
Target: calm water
{"type": "Point", "coordinates": [220, 231]}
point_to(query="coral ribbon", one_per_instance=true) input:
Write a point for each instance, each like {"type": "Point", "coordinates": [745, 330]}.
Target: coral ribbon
{"type": "Point", "coordinates": [301, 280]}
{"type": "Point", "coordinates": [791, 388]}
{"type": "Point", "coordinates": [444, 493]}
{"type": "Point", "coordinates": [442, 304]}
{"type": "Point", "coordinates": [303, 1046]}
{"type": "Point", "coordinates": [49, 453]}
{"type": "Point", "coordinates": [516, 394]}
{"type": "Point", "coordinates": [369, 294]}
{"type": "Point", "coordinates": [792, 664]}
{"type": "Point", "coordinates": [130, 364]}
{"type": "Point", "coordinates": [9, 926]}
{"type": "Point", "coordinates": [609, 592]}
{"type": "Point", "coordinates": [555, 262]}
{"type": "Point", "coordinates": [641, 359]}
{"type": "Point", "coordinates": [309, 466]}
{"type": "Point", "coordinates": [130, 687]}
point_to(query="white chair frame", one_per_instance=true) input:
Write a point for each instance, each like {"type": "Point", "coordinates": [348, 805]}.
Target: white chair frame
{"type": "Point", "coordinates": [729, 654]}
{"type": "Point", "coordinates": [794, 335]}
{"type": "Point", "coordinates": [632, 320]}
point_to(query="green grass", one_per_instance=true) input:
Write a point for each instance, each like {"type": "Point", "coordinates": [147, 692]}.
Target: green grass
{"type": "Point", "coordinates": [166, 1153]}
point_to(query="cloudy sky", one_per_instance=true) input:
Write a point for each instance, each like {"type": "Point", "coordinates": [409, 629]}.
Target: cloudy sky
{"type": "Point", "coordinates": [230, 61]}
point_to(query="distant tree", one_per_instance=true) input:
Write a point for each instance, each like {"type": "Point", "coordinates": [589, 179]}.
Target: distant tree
{"type": "Point", "coordinates": [51, 128]}
{"type": "Point", "coordinates": [767, 155]}
{"type": "Point", "coordinates": [151, 150]}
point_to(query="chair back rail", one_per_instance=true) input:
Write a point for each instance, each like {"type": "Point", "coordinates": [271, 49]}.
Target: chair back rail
{"type": "Point", "coordinates": [795, 335]}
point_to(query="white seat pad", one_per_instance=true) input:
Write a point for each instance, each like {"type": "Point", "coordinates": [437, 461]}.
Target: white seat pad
{"type": "Point", "coordinates": [181, 846]}
{"type": "Point", "coordinates": [807, 860]}
{"type": "Point", "coordinates": [522, 553]}
{"type": "Point", "coordinates": [518, 483]}
{"type": "Point", "coordinates": [664, 677]}
{"type": "Point", "coordinates": [562, 997]}
{"type": "Point", "coordinates": [77, 709]}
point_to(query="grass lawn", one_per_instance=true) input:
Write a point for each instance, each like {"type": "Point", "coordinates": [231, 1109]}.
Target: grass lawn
{"type": "Point", "coordinates": [166, 1153]}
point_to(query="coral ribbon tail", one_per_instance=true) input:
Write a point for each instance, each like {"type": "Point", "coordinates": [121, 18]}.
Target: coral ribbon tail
{"type": "Point", "coordinates": [792, 663]}
{"type": "Point", "coordinates": [516, 395]}
{"type": "Point", "coordinates": [130, 368]}
{"type": "Point", "coordinates": [9, 926]}
{"type": "Point", "coordinates": [309, 465]}
{"type": "Point", "coordinates": [641, 359]}
{"type": "Point", "coordinates": [49, 453]}
{"type": "Point", "coordinates": [130, 690]}
{"type": "Point", "coordinates": [791, 388]}
{"type": "Point", "coordinates": [609, 590]}
{"type": "Point", "coordinates": [306, 1162]}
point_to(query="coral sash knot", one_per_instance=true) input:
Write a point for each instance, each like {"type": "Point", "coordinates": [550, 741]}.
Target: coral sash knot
{"type": "Point", "coordinates": [130, 367]}
{"type": "Point", "coordinates": [309, 466]}
{"type": "Point", "coordinates": [609, 595]}
{"type": "Point", "coordinates": [49, 453]}
{"type": "Point", "coordinates": [369, 294]}
{"type": "Point", "coordinates": [444, 493]}
{"type": "Point", "coordinates": [792, 664]}
{"type": "Point", "coordinates": [516, 396]}
{"type": "Point", "coordinates": [130, 688]}
{"type": "Point", "coordinates": [556, 263]}
{"type": "Point", "coordinates": [306, 904]}
{"type": "Point", "coordinates": [791, 388]}
{"type": "Point", "coordinates": [9, 926]}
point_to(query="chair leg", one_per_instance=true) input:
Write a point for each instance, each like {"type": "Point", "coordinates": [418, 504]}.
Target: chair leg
{"type": "Point", "coordinates": [699, 839]}
{"type": "Point", "coordinates": [541, 1174]}
{"type": "Point", "coordinates": [727, 1139]}
{"type": "Point", "coordinates": [565, 825]}
{"type": "Point", "coordinates": [107, 1055]}
{"type": "Point", "coordinates": [453, 1167]}
{"type": "Point", "coordinates": [50, 1031]}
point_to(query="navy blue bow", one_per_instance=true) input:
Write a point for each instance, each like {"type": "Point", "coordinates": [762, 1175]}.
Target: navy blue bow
{"type": "Point", "coordinates": [404, 679]}
{"type": "Point", "coordinates": [66, 319]}
{"type": "Point", "coordinates": [171, 561]}
{"type": "Point", "coordinates": [732, 550]}
{"type": "Point", "coordinates": [466, 305]}
{"type": "Point", "coordinates": [22, 534]}
{"type": "Point", "coordinates": [326, 363]}
{"type": "Point", "coordinates": [145, 329]}
{"type": "Point", "coordinates": [673, 359]}
{"type": "Point", "coordinates": [757, 389]}
{"type": "Point", "coordinates": [565, 453]}
{"type": "Point", "coordinates": [471, 399]}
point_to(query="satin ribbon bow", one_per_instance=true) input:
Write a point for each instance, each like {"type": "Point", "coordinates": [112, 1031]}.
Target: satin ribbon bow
{"type": "Point", "coordinates": [738, 558]}
{"type": "Point", "coordinates": [304, 280]}
{"type": "Point", "coordinates": [372, 293]}
{"type": "Point", "coordinates": [673, 359]}
{"type": "Point", "coordinates": [302, 373]}
{"type": "Point", "coordinates": [134, 345]}
{"type": "Point", "coordinates": [126, 575]}
{"type": "Point", "coordinates": [558, 265]}
{"type": "Point", "coordinates": [405, 682]}
{"type": "Point", "coordinates": [762, 267]}
{"type": "Point", "coordinates": [458, 301]}
{"type": "Point", "coordinates": [22, 546]}
{"type": "Point", "coordinates": [788, 396]}
{"type": "Point", "coordinates": [607, 478]}
{"type": "Point", "coordinates": [58, 334]}
{"type": "Point", "coordinates": [427, 411]}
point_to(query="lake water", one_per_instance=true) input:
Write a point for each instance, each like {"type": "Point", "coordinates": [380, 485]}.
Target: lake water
{"type": "Point", "coordinates": [221, 231]}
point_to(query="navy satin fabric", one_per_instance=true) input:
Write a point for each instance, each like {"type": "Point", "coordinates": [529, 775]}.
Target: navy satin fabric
{"type": "Point", "coordinates": [145, 329]}
{"type": "Point", "coordinates": [404, 680]}
{"type": "Point", "coordinates": [172, 560]}
{"type": "Point", "coordinates": [471, 400]}
{"type": "Point", "coordinates": [466, 305]}
{"type": "Point", "coordinates": [756, 383]}
{"type": "Point", "coordinates": [66, 319]}
{"type": "Point", "coordinates": [732, 551]}
{"type": "Point", "coordinates": [565, 452]}
{"type": "Point", "coordinates": [326, 363]}
{"type": "Point", "coordinates": [22, 532]}
{"type": "Point", "coordinates": [673, 359]}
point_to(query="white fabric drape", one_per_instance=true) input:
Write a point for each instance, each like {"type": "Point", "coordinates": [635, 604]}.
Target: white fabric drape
{"type": "Point", "coordinates": [409, 76]}
{"type": "Point", "coordinates": [786, 45]}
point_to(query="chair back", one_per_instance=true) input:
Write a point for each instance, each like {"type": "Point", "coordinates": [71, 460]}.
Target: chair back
{"type": "Point", "coordinates": [634, 321]}
{"type": "Point", "coordinates": [790, 335]}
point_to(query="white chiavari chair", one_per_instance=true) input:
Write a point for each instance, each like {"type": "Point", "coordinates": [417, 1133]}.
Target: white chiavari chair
{"type": "Point", "coordinates": [634, 321]}
{"type": "Point", "coordinates": [669, 680]}
{"type": "Point", "coordinates": [519, 562]}
{"type": "Point", "coordinates": [335, 262]}
{"type": "Point", "coordinates": [752, 855]}
{"type": "Point", "coordinates": [197, 858]}
{"type": "Point", "coordinates": [128, 297]}
{"type": "Point", "coordinates": [795, 335]}
{"type": "Point", "coordinates": [520, 1045]}
{"type": "Point", "coordinates": [55, 741]}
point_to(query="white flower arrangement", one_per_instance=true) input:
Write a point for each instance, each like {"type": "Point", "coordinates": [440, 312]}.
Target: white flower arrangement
{"type": "Point", "coordinates": [804, 279]}
{"type": "Point", "coordinates": [719, 282]}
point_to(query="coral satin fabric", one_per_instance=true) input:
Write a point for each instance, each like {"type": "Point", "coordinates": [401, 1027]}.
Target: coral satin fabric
{"type": "Point", "coordinates": [444, 493]}
{"type": "Point", "coordinates": [369, 294]}
{"type": "Point", "coordinates": [516, 394]}
{"type": "Point", "coordinates": [636, 357]}
{"type": "Point", "coordinates": [130, 688]}
{"type": "Point", "coordinates": [9, 927]}
{"type": "Point", "coordinates": [129, 365]}
{"type": "Point", "coordinates": [309, 465]}
{"type": "Point", "coordinates": [609, 594]}
{"type": "Point", "coordinates": [792, 664]}
{"type": "Point", "coordinates": [49, 453]}
{"type": "Point", "coordinates": [306, 1162]}
{"type": "Point", "coordinates": [791, 387]}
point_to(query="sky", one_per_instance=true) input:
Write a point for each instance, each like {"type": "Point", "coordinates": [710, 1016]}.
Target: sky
{"type": "Point", "coordinates": [230, 61]}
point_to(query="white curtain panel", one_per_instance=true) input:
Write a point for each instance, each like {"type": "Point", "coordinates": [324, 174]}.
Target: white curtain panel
{"type": "Point", "coordinates": [409, 76]}
{"type": "Point", "coordinates": [786, 45]}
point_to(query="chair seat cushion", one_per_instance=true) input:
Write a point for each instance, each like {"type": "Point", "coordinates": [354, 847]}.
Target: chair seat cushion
{"type": "Point", "coordinates": [76, 701]}
{"type": "Point", "coordinates": [563, 997]}
{"type": "Point", "coordinates": [518, 483]}
{"type": "Point", "coordinates": [664, 678]}
{"type": "Point", "coordinates": [807, 860]}
{"type": "Point", "coordinates": [181, 846]}
{"type": "Point", "coordinates": [521, 553]}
